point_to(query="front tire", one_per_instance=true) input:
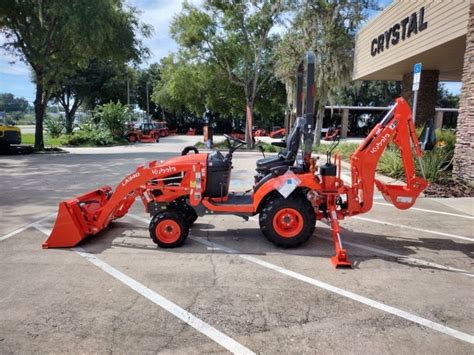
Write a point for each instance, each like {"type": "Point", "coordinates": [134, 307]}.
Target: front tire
{"type": "Point", "coordinates": [168, 229]}
{"type": "Point", "coordinates": [188, 211]}
{"type": "Point", "coordinates": [289, 222]}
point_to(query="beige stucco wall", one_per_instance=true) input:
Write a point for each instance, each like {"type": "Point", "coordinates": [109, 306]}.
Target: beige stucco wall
{"type": "Point", "coordinates": [440, 46]}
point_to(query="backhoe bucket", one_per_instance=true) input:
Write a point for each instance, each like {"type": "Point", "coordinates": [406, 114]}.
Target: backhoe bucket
{"type": "Point", "coordinates": [402, 196]}
{"type": "Point", "coordinates": [76, 217]}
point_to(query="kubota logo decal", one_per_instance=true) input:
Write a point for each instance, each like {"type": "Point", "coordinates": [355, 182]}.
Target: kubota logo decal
{"type": "Point", "coordinates": [167, 170]}
{"type": "Point", "coordinates": [380, 143]}
{"type": "Point", "coordinates": [130, 178]}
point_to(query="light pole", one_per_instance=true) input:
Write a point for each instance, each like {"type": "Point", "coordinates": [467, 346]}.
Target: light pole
{"type": "Point", "coordinates": [147, 102]}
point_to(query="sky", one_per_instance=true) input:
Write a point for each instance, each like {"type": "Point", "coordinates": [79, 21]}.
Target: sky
{"type": "Point", "coordinates": [15, 76]}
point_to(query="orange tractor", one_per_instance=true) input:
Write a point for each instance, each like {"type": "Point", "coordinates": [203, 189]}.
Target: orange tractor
{"type": "Point", "coordinates": [290, 192]}
{"type": "Point", "coordinates": [145, 132]}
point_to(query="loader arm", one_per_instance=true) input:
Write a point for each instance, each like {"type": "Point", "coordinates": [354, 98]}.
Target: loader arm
{"type": "Point", "coordinates": [397, 127]}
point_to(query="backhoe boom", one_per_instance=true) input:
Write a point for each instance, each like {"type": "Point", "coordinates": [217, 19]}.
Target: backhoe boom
{"type": "Point", "coordinates": [397, 127]}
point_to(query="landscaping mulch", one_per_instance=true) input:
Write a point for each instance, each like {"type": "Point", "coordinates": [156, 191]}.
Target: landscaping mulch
{"type": "Point", "coordinates": [450, 188]}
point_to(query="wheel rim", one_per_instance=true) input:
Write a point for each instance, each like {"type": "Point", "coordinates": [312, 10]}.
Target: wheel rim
{"type": "Point", "coordinates": [288, 222]}
{"type": "Point", "coordinates": [168, 231]}
{"type": "Point", "coordinates": [132, 139]}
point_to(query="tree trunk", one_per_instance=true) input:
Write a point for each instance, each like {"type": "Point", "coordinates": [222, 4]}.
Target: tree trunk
{"type": "Point", "coordinates": [69, 117]}
{"type": "Point", "coordinates": [290, 105]}
{"type": "Point", "coordinates": [249, 123]}
{"type": "Point", "coordinates": [319, 124]}
{"type": "Point", "coordinates": [40, 108]}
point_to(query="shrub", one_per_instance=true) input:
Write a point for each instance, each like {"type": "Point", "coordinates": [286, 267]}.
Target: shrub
{"type": "Point", "coordinates": [91, 134]}
{"type": "Point", "coordinates": [345, 149]}
{"type": "Point", "coordinates": [390, 163]}
{"type": "Point", "coordinates": [54, 125]}
{"type": "Point", "coordinates": [112, 116]}
{"type": "Point", "coordinates": [88, 138]}
{"type": "Point", "coordinates": [436, 162]}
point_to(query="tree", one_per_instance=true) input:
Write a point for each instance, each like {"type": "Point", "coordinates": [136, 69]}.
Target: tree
{"type": "Point", "coordinates": [195, 86]}
{"type": "Point", "coordinates": [10, 103]}
{"type": "Point", "coordinates": [445, 99]}
{"type": "Point", "coordinates": [328, 28]}
{"type": "Point", "coordinates": [369, 93]}
{"type": "Point", "coordinates": [235, 35]}
{"type": "Point", "coordinates": [101, 82]}
{"type": "Point", "coordinates": [57, 37]}
{"type": "Point", "coordinates": [147, 77]}
{"type": "Point", "coordinates": [289, 54]}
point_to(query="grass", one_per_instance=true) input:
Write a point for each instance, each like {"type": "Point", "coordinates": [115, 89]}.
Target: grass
{"type": "Point", "coordinates": [345, 149]}
{"type": "Point", "coordinates": [29, 138]}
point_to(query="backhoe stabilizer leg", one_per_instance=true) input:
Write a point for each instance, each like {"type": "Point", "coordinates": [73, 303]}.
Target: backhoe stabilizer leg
{"type": "Point", "coordinates": [340, 259]}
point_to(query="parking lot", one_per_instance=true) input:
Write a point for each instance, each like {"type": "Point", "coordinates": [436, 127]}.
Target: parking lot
{"type": "Point", "coordinates": [227, 289]}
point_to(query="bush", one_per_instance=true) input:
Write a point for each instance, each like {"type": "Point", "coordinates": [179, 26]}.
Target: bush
{"type": "Point", "coordinates": [436, 162]}
{"type": "Point", "coordinates": [54, 125]}
{"type": "Point", "coordinates": [88, 138]}
{"type": "Point", "coordinates": [113, 117]}
{"type": "Point", "coordinates": [345, 149]}
{"type": "Point", "coordinates": [390, 163]}
{"type": "Point", "coordinates": [91, 134]}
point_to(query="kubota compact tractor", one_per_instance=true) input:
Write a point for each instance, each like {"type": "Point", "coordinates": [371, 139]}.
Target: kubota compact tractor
{"type": "Point", "coordinates": [290, 194]}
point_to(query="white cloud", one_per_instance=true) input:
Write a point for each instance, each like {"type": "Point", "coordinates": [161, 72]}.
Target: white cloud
{"type": "Point", "coordinates": [159, 14]}
{"type": "Point", "coordinates": [13, 66]}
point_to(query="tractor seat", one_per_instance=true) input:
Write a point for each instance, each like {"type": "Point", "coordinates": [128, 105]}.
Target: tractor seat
{"type": "Point", "coordinates": [286, 157]}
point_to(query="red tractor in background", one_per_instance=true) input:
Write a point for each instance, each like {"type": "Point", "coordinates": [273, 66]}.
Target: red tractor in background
{"type": "Point", "coordinates": [162, 128]}
{"type": "Point", "coordinates": [290, 193]}
{"type": "Point", "coordinates": [277, 132]}
{"type": "Point", "coordinates": [145, 132]}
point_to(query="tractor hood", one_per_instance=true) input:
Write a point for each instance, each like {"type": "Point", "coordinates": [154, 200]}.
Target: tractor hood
{"type": "Point", "coordinates": [190, 158]}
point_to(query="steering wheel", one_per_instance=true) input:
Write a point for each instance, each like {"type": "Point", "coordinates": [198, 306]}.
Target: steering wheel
{"type": "Point", "coordinates": [230, 138]}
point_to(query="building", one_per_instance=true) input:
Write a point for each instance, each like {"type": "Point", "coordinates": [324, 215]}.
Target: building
{"type": "Point", "coordinates": [438, 34]}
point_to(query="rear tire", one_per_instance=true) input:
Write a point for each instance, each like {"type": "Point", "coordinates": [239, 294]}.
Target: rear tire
{"type": "Point", "coordinates": [168, 229]}
{"type": "Point", "coordinates": [289, 222]}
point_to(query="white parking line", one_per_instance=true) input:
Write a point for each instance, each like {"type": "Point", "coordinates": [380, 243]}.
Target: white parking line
{"type": "Point", "coordinates": [398, 256]}
{"type": "Point", "coordinates": [429, 211]}
{"type": "Point", "coordinates": [353, 296]}
{"type": "Point", "coordinates": [413, 228]}
{"type": "Point", "coordinates": [367, 301]}
{"type": "Point", "coordinates": [407, 259]}
{"type": "Point", "coordinates": [201, 326]}
{"type": "Point", "coordinates": [25, 227]}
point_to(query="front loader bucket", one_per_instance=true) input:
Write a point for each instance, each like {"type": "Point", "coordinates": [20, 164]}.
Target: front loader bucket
{"type": "Point", "coordinates": [76, 217]}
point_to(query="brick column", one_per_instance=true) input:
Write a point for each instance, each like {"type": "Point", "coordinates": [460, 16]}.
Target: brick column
{"type": "Point", "coordinates": [426, 95]}
{"type": "Point", "coordinates": [464, 152]}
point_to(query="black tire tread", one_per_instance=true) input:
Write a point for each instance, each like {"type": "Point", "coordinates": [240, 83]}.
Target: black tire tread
{"type": "Point", "coordinates": [178, 218]}
{"type": "Point", "coordinates": [297, 201]}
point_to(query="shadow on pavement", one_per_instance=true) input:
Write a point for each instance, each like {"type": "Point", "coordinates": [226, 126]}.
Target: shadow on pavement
{"type": "Point", "coordinates": [252, 242]}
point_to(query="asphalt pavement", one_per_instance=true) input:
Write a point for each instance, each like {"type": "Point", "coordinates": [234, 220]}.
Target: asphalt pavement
{"type": "Point", "coordinates": [227, 289]}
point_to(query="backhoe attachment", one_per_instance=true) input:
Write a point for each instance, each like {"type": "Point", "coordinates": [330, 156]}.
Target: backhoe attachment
{"type": "Point", "coordinates": [397, 127]}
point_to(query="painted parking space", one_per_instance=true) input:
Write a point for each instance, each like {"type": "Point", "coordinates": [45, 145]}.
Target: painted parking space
{"type": "Point", "coordinates": [264, 298]}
